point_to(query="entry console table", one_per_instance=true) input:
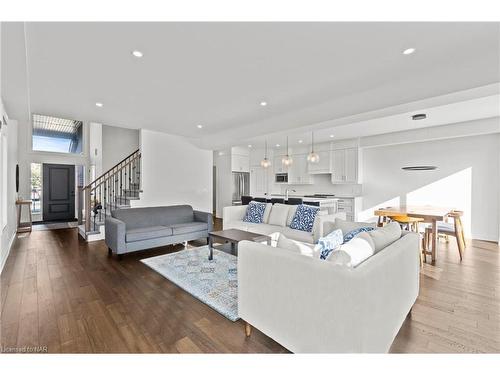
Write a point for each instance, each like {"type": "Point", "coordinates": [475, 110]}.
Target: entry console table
{"type": "Point", "coordinates": [25, 226]}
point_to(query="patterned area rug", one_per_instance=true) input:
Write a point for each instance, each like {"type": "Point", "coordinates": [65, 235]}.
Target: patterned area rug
{"type": "Point", "coordinates": [213, 282]}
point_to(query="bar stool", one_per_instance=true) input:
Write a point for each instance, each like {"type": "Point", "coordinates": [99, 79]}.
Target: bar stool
{"type": "Point", "coordinates": [454, 229]}
{"type": "Point", "coordinates": [277, 200]}
{"type": "Point", "coordinates": [261, 200]}
{"type": "Point", "coordinates": [245, 199]}
{"type": "Point", "coordinates": [294, 201]}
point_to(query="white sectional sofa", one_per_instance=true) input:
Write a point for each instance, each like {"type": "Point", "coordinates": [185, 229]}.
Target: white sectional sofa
{"type": "Point", "coordinates": [277, 223]}
{"type": "Point", "coordinates": [310, 305]}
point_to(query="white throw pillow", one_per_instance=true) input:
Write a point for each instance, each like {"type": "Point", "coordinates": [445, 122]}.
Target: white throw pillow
{"type": "Point", "coordinates": [384, 236]}
{"type": "Point", "coordinates": [296, 246]}
{"type": "Point", "coordinates": [345, 226]}
{"type": "Point", "coordinates": [359, 249]}
{"type": "Point", "coordinates": [279, 214]}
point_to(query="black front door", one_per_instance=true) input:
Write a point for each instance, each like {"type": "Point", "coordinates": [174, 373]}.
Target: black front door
{"type": "Point", "coordinates": [58, 192]}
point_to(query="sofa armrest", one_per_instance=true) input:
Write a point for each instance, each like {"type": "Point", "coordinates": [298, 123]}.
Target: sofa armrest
{"type": "Point", "coordinates": [115, 235]}
{"type": "Point", "coordinates": [205, 217]}
{"type": "Point", "coordinates": [319, 224]}
{"type": "Point", "coordinates": [234, 213]}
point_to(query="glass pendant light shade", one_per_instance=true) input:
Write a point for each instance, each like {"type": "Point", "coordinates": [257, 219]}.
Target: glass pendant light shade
{"type": "Point", "coordinates": [287, 160]}
{"type": "Point", "coordinates": [312, 157]}
{"type": "Point", "coordinates": [265, 163]}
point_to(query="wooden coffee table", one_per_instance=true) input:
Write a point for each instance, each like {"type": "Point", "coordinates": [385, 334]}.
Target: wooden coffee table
{"type": "Point", "coordinates": [234, 236]}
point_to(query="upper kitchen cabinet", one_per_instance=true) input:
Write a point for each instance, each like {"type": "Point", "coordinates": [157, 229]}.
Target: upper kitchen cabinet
{"type": "Point", "coordinates": [323, 166]}
{"type": "Point", "coordinates": [344, 166]}
{"type": "Point", "coordinates": [240, 160]}
{"type": "Point", "coordinates": [278, 166]}
{"type": "Point", "coordinates": [298, 173]}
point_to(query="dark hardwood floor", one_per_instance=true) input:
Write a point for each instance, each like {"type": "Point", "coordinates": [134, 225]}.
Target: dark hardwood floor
{"type": "Point", "coordinates": [60, 292]}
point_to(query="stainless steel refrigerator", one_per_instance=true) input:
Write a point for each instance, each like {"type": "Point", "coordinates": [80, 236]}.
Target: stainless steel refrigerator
{"type": "Point", "coordinates": [241, 186]}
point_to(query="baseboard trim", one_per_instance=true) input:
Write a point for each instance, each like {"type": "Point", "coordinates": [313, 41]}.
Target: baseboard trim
{"type": "Point", "coordinates": [4, 260]}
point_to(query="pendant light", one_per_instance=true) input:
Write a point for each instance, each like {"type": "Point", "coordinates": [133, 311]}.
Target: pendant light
{"type": "Point", "coordinates": [287, 160]}
{"type": "Point", "coordinates": [265, 163]}
{"type": "Point", "coordinates": [419, 167]}
{"type": "Point", "coordinates": [312, 157]}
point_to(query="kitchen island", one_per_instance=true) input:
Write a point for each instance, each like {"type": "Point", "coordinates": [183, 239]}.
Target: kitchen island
{"type": "Point", "coordinates": [326, 203]}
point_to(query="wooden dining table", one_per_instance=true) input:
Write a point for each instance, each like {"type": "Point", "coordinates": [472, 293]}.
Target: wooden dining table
{"type": "Point", "coordinates": [429, 214]}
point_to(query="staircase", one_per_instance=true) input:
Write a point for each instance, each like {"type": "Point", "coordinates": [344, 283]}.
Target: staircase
{"type": "Point", "coordinates": [113, 190]}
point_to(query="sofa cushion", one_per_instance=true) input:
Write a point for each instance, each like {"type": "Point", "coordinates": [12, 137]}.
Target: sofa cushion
{"type": "Point", "coordinates": [296, 246]}
{"type": "Point", "coordinates": [384, 236]}
{"type": "Point", "coordinates": [267, 213]}
{"type": "Point", "coordinates": [255, 212]}
{"type": "Point", "coordinates": [143, 217]}
{"type": "Point", "coordinates": [345, 226]}
{"type": "Point", "coordinates": [279, 214]}
{"type": "Point", "coordinates": [188, 227]}
{"type": "Point", "coordinates": [298, 235]}
{"type": "Point", "coordinates": [291, 214]}
{"type": "Point", "coordinates": [147, 233]}
{"type": "Point", "coordinates": [304, 218]}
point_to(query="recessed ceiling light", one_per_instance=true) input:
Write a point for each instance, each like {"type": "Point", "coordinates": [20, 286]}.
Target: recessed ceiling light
{"type": "Point", "coordinates": [408, 51]}
{"type": "Point", "coordinates": [250, 146]}
{"type": "Point", "coordinates": [263, 104]}
{"type": "Point", "coordinates": [99, 104]}
{"type": "Point", "coordinates": [300, 141]}
{"type": "Point", "coordinates": [277, 145]}
{"type": "Point", "coordinates": [138, 54]}
{"type": "Point", "coordinates": [331, 136]}
{"type": "Point", "coordinates": [199, 126]}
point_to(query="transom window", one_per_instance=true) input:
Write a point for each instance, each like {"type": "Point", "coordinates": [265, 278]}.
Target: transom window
{"type": "Point", "coordinates": [57, 134]}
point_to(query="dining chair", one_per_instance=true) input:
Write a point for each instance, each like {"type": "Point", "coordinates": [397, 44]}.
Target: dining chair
{"type": "Point", "coordinates": [411, 224]}
{"type": "Point", "coordinates": [454, 229]}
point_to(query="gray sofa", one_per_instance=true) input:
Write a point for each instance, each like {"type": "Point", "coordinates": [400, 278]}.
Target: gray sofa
{"type": "Point", "coordinates": [133, 229]}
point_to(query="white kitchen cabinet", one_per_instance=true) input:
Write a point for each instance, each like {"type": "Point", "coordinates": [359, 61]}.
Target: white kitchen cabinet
{"type": "Point", "coordinates": [298, 173]}
{"type": "Point", "coordinates": [278, 166]}
{"type": "Point", "coordinates": [350, 206]}
{"type": "Point", "coordinates": [240, 163]}
{"type": "Point", "coordinates": [323, 166]}
{"type": "Point", "coordinates": [344, 166]}
{"type": "Point", "coordinates": [258, 181]}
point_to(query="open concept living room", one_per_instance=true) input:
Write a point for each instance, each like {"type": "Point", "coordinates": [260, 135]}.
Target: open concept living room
{"type": "Point", "coordinates": [250, 187]}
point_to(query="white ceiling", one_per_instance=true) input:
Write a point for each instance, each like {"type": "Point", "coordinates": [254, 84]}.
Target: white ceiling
{"type": "Point", "coordinates": [216, 74]}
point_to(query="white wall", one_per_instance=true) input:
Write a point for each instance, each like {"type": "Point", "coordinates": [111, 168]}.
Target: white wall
{"type": "Point", "coordinates": [174, 171]}
{"type": "Point", "coordinates": [224, 182]}
{"type": "Point", "coordinates": [7, 234]}
{"type": "Point", "coordinates": [467, 178]}
{"type": "Point", "coordinates": [95, 147]}
{"type": "Point", "coordinates": [117, 144]}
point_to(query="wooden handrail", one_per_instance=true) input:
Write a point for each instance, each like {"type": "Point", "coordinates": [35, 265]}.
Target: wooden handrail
{"type": "Point", "coordinates": [111, 179]}
{"type": "Point", "coordinates": [113, 167]}
{"type": "Point", "coordinates": [92, 188]}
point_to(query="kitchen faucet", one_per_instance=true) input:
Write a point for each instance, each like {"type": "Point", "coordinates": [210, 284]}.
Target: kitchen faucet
{"type": "Point", "coordinates": [286, 193]}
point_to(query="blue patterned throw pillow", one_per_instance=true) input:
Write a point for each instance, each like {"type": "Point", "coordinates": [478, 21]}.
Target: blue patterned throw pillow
{"type": "Point", "coordinates": [255, 212]}
{"type": "Point", "coordinates": [353, 233]}
{"type": "Point", "coordinates": [329, 243]}
{"type": "Point", "coordinates": [304, 218]}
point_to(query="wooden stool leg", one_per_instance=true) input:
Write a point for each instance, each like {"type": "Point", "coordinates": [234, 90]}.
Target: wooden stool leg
{"type": "Point", "coordinates": [248, 329]}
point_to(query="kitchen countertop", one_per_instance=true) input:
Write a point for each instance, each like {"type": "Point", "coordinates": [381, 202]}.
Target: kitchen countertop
{"type": "Point", "coordinates": [306, 199]}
